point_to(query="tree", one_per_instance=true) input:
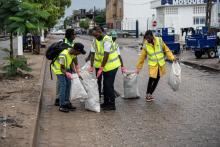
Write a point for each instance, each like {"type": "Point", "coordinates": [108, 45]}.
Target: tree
{"type": "Point", "coordinates": [84, 24]}
{"type": "Point", "coordinates": [21, 18]}
{"type": "Point", "coordinates": [7, 9]}
{"type": "Point", "coordinates": [56, 9]}
{"type": "Point", "coordinates": [100, 19]}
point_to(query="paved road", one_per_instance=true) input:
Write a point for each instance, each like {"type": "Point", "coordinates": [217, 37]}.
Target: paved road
{"type": "Point", "coordinates": [187, 118]}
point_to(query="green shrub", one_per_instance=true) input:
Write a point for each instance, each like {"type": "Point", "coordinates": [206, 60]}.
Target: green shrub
{"type": "Point", "coordinates": [15, 65]}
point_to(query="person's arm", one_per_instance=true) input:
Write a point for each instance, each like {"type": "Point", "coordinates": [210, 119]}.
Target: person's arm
{"type": "Point", "coordinates": [167, 51]}
{"type": "Point", "coordinates": [92, 54]}
{"type": "Point", "coordinates": [63, 70]}
{"type": "Point", "coordinates": [105, 59]}
{"type": "Point", "coordinates": [92, 58]}
{"type": "Point", "coordinates": [88, 57]}
{"type": "Point", "coordinates": [141, 59]}
{"type": "Point", "coordinates": [119, 55]}
{"type": "Point", "coordinates": [107, 48]}
{"type": "Point", "coordinates": [122, 64]}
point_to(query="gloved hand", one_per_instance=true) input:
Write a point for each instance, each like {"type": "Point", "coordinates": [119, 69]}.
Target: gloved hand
{"type": "Point", "coordinates": [123, 69]}
{"type": "Point", "coordinates": [69, 75]}
{"type": "Point", "coordinates": [91, 69]}
{"type": "Point", "coordinates": [99, 72]}
{"type": "Point", "coordinates": [138, 70]}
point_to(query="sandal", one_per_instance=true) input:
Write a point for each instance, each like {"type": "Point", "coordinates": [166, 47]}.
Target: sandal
{"type": "Point", "coordinates": [148, 99]}
{"type": "Point", "coordinates": [151, 97]}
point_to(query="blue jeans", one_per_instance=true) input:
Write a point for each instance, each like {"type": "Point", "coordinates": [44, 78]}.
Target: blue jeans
{"type": "Point", "coordinates": [64, 89]}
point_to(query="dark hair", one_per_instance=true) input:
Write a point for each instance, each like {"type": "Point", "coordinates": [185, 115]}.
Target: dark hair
{"type": "Point", "coordinates": [148, 33]}
{"type": "Point", "coordinates": [98, 29]}
{"type": "Point", "coordinates": [69, 33]}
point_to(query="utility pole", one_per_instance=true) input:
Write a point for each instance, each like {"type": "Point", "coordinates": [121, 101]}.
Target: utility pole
{"type": "Point", "coordinates": [208, 13]}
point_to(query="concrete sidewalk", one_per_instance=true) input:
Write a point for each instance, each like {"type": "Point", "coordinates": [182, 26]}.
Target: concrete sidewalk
{"type": "Point", "coordinates": [187, 57]}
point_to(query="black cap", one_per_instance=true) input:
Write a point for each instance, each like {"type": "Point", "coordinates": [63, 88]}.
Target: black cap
{"type": "Point", "coordinates": [79, 47]}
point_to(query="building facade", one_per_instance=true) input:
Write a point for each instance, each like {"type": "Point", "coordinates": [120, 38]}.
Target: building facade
{"type": "Point", "coordinates": [123, 14]}
{"type": "Point", "coordinates": [114, 13]}
{"type": "Point", "coordinates": [184, 13]}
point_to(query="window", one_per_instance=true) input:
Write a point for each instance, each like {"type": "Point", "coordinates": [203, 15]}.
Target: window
{"type": "Point", "coordinates": [199, 9]}
{"type": "Point", "coordinates": [199, 20]}
{"type": "Point", "coordinates": [171, 10]}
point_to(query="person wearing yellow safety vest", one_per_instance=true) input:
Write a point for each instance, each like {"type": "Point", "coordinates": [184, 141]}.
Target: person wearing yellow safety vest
{"type": "Point", "coordinates": [69, 39]}
{"type": "Point", "coordinates": [62, 67]}
{"type": "Point", "coordinates": [156, 50]}
{"type": "Point", "coordinates": [106, 61]}
{"type": "Point", "coordinates": [116, 47]}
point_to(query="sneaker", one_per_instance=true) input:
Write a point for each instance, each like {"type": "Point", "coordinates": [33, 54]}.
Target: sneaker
{"type": "Point", "coordinates": [70, 107]}
{"type": "Point", "coordinates": [57, 102]}
{"type": "Point", "coordinates": [64, 109]}
{"type": "Point", "coordinates": [109, 108]}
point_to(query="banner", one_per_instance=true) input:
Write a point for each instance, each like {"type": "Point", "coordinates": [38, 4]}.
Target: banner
{"type": "Point", "coordinates": [184, 2]}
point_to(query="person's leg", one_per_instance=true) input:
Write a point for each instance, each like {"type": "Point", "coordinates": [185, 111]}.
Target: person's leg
{"type": "Point", "coordinates": [62, 92]}
{"type": "Point", "coordinates": [149, 89]}
{"type": "Point", "coordinates": [154, 85]}
{"type": "Point", "coordinates": [67, 99]}
{"type": "Point", "coordinates": [109, 92]}
{"type": "Point", "coordinates": [57, 94]}
{"type": "Point", "coordinates": [149, 86]}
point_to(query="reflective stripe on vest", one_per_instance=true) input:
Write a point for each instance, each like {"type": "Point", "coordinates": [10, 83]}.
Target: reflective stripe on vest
{"type": "Point", "coordinates": [155, 54]}
{"type": "Point", "coordinates": [56, 67]}
{"type": "Point", "coordinates": [113, 59]}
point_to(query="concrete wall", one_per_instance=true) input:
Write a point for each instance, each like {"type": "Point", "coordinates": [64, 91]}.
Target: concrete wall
{"type": "Point", "coordinates": [137, 10]}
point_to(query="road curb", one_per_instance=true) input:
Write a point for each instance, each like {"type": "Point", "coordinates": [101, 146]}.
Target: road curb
{"type": "Point", "coordinates": [201, 66]}
{"type": "Point", "coordinates": [33, 141]}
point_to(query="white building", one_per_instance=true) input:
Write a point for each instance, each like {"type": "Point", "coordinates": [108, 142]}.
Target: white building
{"type": "Point", "coordinates": [184, 13]}
{"type": "Point", "coordinates": [137, 10]}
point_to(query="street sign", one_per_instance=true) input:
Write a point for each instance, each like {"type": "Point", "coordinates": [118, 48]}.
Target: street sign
{"type": "Point", "coordinates": [154, 23]}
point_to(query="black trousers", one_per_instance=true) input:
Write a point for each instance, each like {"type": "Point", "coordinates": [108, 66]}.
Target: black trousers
{"type": "Point", "coordinates": [152, 83]}
{"type": "Point", "coordinates": [108, 86]}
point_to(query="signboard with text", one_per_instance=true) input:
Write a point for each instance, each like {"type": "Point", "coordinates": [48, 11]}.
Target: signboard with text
{"type": "Point", "coordinates": [184, 2]}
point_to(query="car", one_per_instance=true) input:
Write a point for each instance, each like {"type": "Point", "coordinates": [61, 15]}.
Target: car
{"type": "Point", "coordinates": [120, 33]}
{"type": "Point", "coordinates": [58, 32]}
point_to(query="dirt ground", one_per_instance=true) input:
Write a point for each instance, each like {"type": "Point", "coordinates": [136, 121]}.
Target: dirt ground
{"type": "Point", "coordinates": [18, 100]}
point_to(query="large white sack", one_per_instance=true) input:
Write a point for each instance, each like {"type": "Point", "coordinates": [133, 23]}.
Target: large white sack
{"type": "Point", "coordinates": [77, 90]}
{"type": "Point", "coordinates": [175, 76]}
{"type": "Point", "coordinates": [131, 85]}
{"type": "Point", "coordinates": [90, 84]}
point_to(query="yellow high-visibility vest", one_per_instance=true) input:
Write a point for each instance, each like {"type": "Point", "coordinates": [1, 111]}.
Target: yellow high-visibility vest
{"type": "Point", "coordinates": [155, 54]}
{"type": "Point", "coordinates": [56, 67]}
{"type": "Point", "coordinates": [67, 42]}
{"type": "Point", "coordinates": [113, 59]}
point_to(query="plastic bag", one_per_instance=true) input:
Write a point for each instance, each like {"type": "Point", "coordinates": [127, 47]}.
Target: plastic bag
{"type": "Point", "coordinates": [130, 85]}
{"type": "Point", "coordinates": [175, 76]}
{"type": "Point", "coordinates": [90, 84]}
{"type": "Point", "coordinates": [77, 89]}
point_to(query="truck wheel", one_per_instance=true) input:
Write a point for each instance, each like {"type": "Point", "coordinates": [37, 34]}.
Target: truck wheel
{"type": "Point", "coordinates": [124, 36]}
{"type": "Point", "coordinates": [198, 54]}
{"type": "Point", "coordinates": [211, 54]}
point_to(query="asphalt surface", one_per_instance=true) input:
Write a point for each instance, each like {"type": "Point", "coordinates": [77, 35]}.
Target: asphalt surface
{"type": "Point", "coordinates": [187, 118]}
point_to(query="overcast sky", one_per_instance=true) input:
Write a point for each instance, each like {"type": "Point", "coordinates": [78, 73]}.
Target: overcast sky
{"type": "Point", "coordinates": [84, 4]}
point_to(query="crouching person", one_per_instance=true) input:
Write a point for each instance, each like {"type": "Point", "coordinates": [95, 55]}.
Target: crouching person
{"type": "Point", "coordinates": [63, 67]}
